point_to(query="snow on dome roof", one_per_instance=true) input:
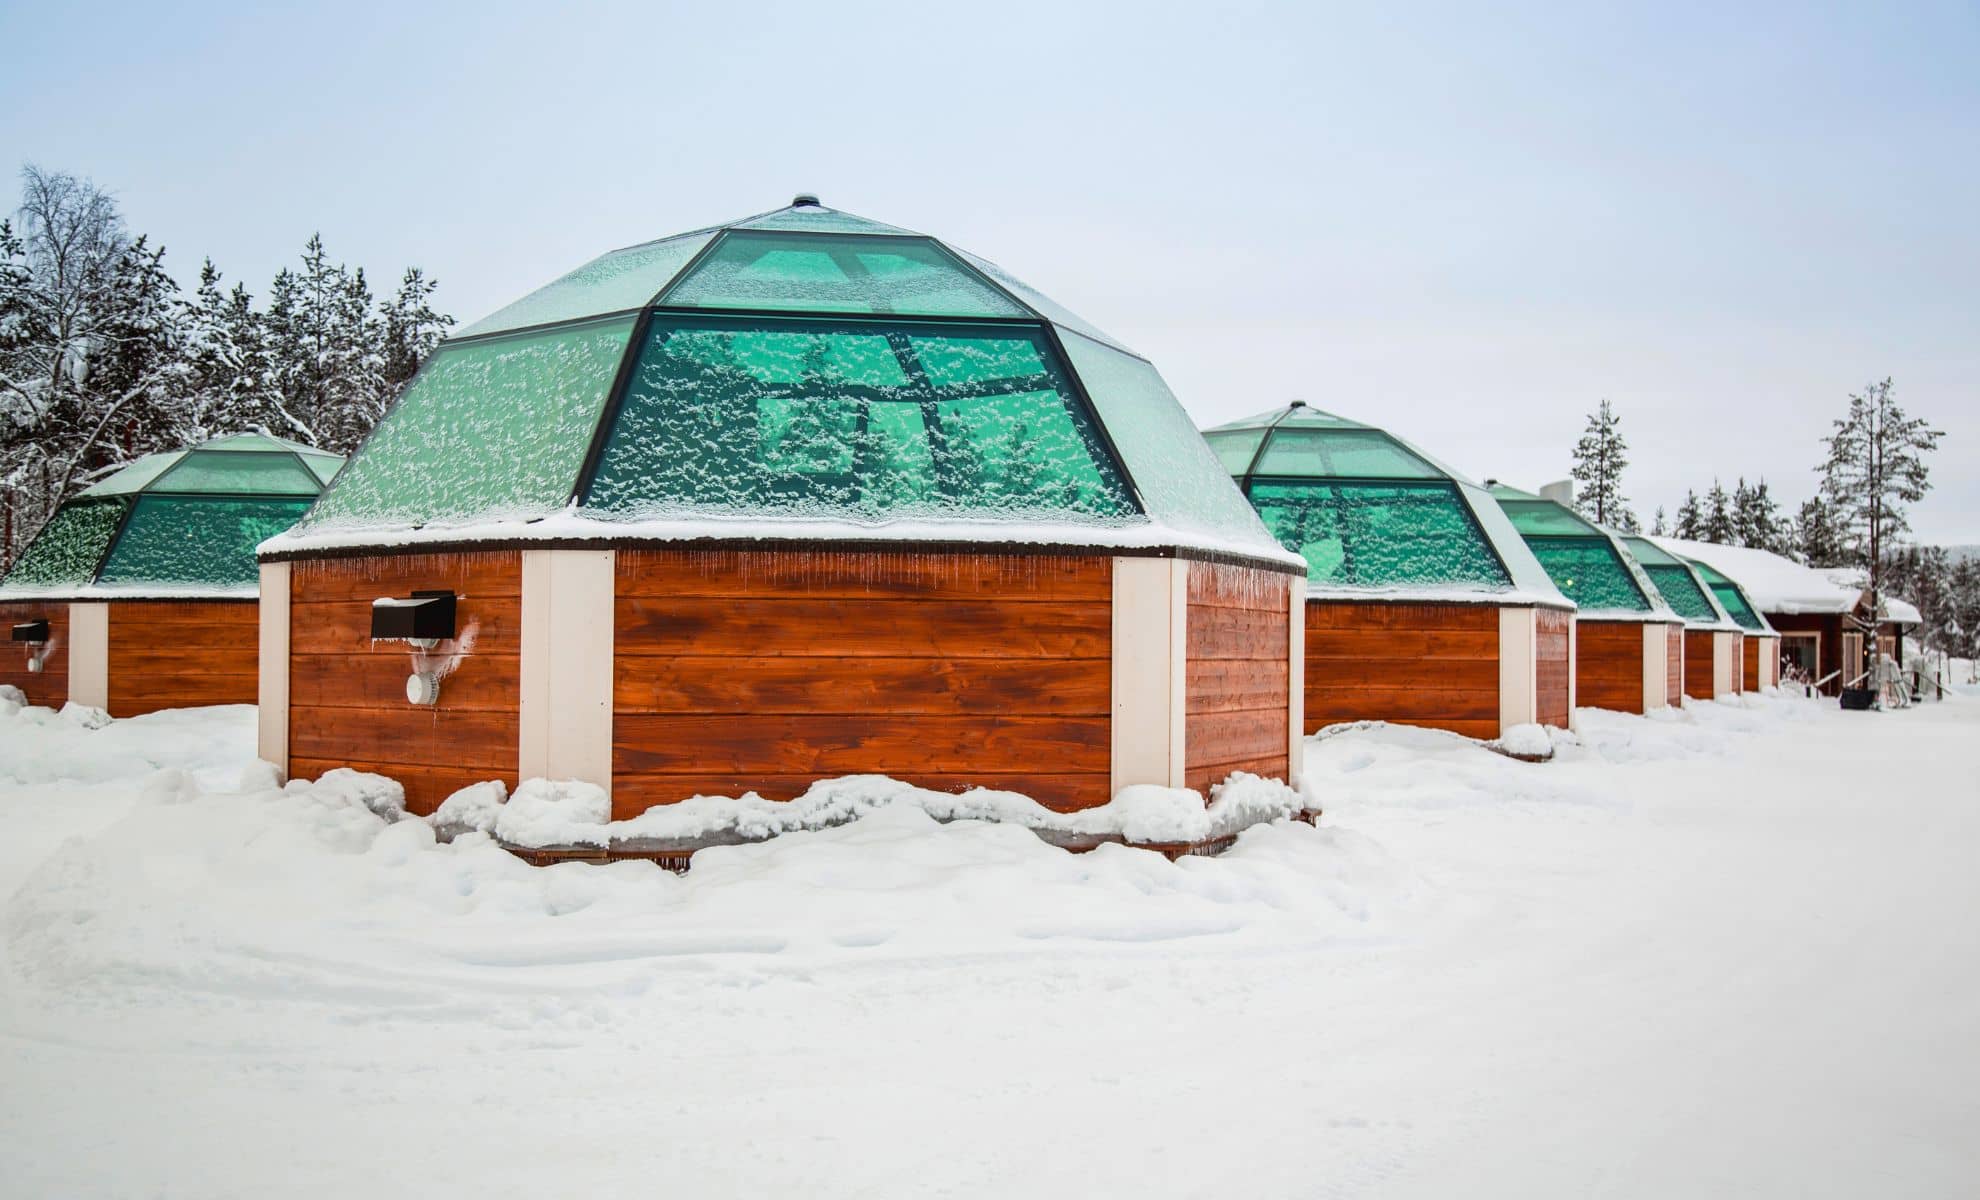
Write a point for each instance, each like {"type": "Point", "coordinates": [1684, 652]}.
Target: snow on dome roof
{"type": "Point", "coordinates": [1588, 563]}
{"type": "Point", "coordinates": [1374, 515]}
{"type": "Point", "coordinates": [1683, 587]}
{"type": "Point", "coordinates": [800, 374]}
{"type": "Point", "coordinates": [1777, 584]}
{"type": "Point", "coordinates": [182, 523]}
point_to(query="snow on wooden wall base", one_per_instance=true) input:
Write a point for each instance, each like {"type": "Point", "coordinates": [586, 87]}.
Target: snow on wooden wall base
{"type": "Point", "coordinates": [49, 684]}
{"type": "Point", "coordinates": [737, 670]}
{"type": "Point", "coordinates": [1627, 666]}
{"type": "Point", "coordinates": [1473, 669]}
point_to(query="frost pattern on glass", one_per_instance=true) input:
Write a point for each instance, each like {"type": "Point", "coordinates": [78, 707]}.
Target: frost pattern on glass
{"type": "Point", "coordinates": [1040, 303]}
{"type": "Point", "coordinates": [853, 420]}
{"type": "Point", "coordinates": [135, 477]}
{"type": "Point", "coordinates": [1404, 534]}
{"type": "Point", "coordinates": [1341, 454]}
{"type": "Point", "coordinates": [1680, 591]}
{"type": "Point", "coordinates": [239, 471]}
{"type": "Point", "coordinates": [494, 428]}
{"type": "Point", "coordinates": [70, 546]}
{"type": "Point", "coordinates": [821, 220]}
{"type": "Point", "coordinates": [616, 282]}
{"type": "Point", "coordinates": [1180, 480]}
{"type": "Point", "coordinates": [1590, 572]}
{"type": "Point", "coordinates": [196, 540]}
{"type": "Point", "coordinates": [1542, 518]}
{"type": "Point", "coordinates": [1736, 606]}
{"type": "Point", "coordinates": [1236, 450]}
{"type": "Point", "coordinates": [835, 273]}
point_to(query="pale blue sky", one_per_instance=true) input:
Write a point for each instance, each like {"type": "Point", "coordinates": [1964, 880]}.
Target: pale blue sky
{"type": "Point", "coordinates": [1469, 227]}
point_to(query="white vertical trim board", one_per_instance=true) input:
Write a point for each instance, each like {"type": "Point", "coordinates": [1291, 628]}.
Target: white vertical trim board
{"type": "Point", "coordinates": [1656, 668]}
{"type": "Point", "coordinates": [89, 654]}
{"type": "Point", "coordinates": [566, 665]}
{"type": "Point", "coordinates": [1573, 666]}
{"type": "Point", "coordinates": [1150, 644]}
{"type": "Point", "coordinates": [272, 656]}
{"type": "Point", "coordinates": [1296, 683]}
{"type": "Point", "coordinates": [1725, 664]}
{"type": "Point", "coordinates": [1519, 703]}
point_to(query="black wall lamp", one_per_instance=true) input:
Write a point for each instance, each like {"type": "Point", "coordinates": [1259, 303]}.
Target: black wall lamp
{"type": "Point", "coordinates": [31, 631]}
{"type": "Point", "coordinates": [427, 617]}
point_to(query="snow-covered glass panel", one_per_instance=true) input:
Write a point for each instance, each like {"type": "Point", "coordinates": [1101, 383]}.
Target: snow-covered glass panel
{"type": "Point", "coordinates": [69, 546]}
{"type": "Point", "coordinates": [1734, 602]}
{"type": "Point", "coordinates": [611, 283]}
{"type": "Point", "coordinates": [1040, 303]}
{"type": "Point", "coordinates": [821, 220]}
{"type": "Point", "coordinates": [1236, 449]}
{"type": "Point", "coordinates": [137, 476]}
{"type": "Point", "coordinates": [853, 420]}
{"type": "Point", "coordinates": [1680, 591]}
{"type": "Point", "coordinates": [254, 443]}
{"type": "Point", "coordinates": [1381, 535]}
{"type": "Point", "coordinates": [1340, 454]}
{"type": "Point", "coordinates": [323, 466]}
{"type": "Point", "coordinates": [239, 471]}
{"type": "Point", "coordinates": [1544, 518]}
{"type": "Point", "coordinates": [1180, 480]}
{"type": "Point", "coordinates": [1590, 572]}
{"type": "Point", "coordinates": [495, 427]}
{"type": "Point", "coordinates": [837, 273]}
{"type": "Point", "coordinates": [196, 540]}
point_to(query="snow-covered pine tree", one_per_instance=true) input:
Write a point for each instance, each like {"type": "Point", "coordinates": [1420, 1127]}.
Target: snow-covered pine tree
{"type": "Point", "coordinates": [1816, 540]}
{"type": "Point", "coordinates": [409, 328]}
{"type": "Point", "coordinates": [1876, 466]}
{"type": "Point", "coordinates": [1658, 527]}
{"type": "Point", "coordinates": [1690, 519]}
{"type": "Point", "coordinates": [1756, 517]}
{"type": "Point", "coordinates": [1599, 459]}
{"type": "Point", "coordinates": [1716, 522]}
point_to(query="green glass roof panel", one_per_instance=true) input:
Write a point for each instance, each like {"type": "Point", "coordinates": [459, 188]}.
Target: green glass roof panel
{"type": "Point", "coordinates": [1401, 534]}
{"type": "Point", "coordinates": [1179, 478]}
{"type": "Point", "coordinates": [1589, 572]}
{"type": "Point", "coordinates": [611, 283]}
{"type": "Point", "coordinates": [69, 546]}
{"type": "Point", "coordinates": [1545, 518]}
{"type": "Point", "coordinates": [1236, 449]}
{"type": "Point", "coordinates": [323, 466]}
{"type": "Point", "coordinates": [852, 420]}
{"type": "Point", "coordinates": [1040, 303]}
{"type": "Point", "coordinates": [1340, 454]}
{"type": "Point", "coordinates": [817, 219]}
{"type": "Point", "coordinates": [197, 540]}
{"type": "Point", "coordinates": [257, 443]}
{"type": "Point", "coordinates": [492, 428]}
{"type": "Point", "coordinates": [1680, 590]}
{"type": "Point", "coordinates": [837, 273]}
{"type": "Point", "coordinates": [239, 472]}
{"type": "Point", "coordinates": [1648, 552]}
{"type": "Point", "coordinates": [1734, 602]}
{"type": "Point", "coordinates": [135, 477]}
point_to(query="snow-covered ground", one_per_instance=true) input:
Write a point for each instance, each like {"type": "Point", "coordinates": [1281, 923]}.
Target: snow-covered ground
{"type": "Point", "coordinates": [1726, 953]}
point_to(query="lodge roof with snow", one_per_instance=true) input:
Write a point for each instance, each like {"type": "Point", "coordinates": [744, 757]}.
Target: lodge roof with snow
{"type": "Point", "coordinates": [1375, 517]}
{"type": "Point", "coordinates": [797, 375]}
{"type": "Point", "coordinates": [1774, 583]}
{"type": "Point", "coordinates": [181, 524]}
{"type": "Point", "coordinates": [1683, 587]}
{"type": "Point", "coordinates": [1589, 563]}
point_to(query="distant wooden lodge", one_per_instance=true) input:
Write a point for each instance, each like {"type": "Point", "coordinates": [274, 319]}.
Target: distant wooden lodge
{"type": "Point", "coordinates": [1824, 632]}
{"type": "Point", "coordinates": [1714, 643]}
{"type": "Point", "coordinates": [139, 593]}
{"type": "Point", "coordinates": [1629, 644]}
{"type": "Point", "coordinates": [796, 497]}
{"type": "Point", "coordinates": [1423, 606]}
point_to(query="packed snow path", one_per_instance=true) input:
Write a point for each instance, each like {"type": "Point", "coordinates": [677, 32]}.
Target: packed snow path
{"type": "Point", "coordinates": [1728, 954]}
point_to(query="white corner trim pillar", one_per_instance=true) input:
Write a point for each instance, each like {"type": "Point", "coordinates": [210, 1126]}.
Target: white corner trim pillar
{"type": "Point", "coordinates": [1573, 668]}
{"type": "Point", "coordinates": [272, 658]}
{"type": "Point", "coordinates": [1725, 663]}
{"type": "Point", "coordinates": [1296, 683]}
{"type": "Point", "coordinates": [1656, 666]}
{"type": "Point", "coordinates": [566, 667]}
{"type": "Point", "coordinates": [1150, 671]}
{"type": "Point", "coordinates": [1519, 681]}
{"type": "Point", "coordinates": [89, 654]}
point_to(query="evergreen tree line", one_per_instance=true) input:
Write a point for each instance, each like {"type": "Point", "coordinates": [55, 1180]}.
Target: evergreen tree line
{"type": "Point", "coordinates": [103, 358]}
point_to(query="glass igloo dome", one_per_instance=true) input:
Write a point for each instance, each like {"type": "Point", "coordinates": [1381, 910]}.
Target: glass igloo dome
{"type": "Point", "coordinates": [798, 374]}
{"type": "Point", "coordinates": [1591, 565]}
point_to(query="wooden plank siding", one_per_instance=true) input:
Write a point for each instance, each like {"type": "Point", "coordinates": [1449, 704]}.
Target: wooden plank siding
{"type": "Point", "coordinates": [1674, 671]}
{"type": "Point", "coordinates": [1749, 662]}
{"type": "Point", "coordinates": [1237, 690]}
{"type": "Point", "coordinates": [1553, 668]}
{"type": "Point", "coordinates": [50, 685]}
{"type": "Point", "coordinates": [182, 654]}
{"type": "Point", "coordinates": [1608, 665]}
{"type": "Point", "coordinates": [347, 700]}
{"type": "Point", "coordinates": [1413, 664]}
{"type": "Point", "coordinates": [1698, 681]}
{"type": "Point", "coordinates": [764, 671]}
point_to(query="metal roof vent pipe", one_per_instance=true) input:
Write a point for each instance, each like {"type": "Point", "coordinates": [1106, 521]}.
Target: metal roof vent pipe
{"type": "Point", "coordinates": [1560, 493]}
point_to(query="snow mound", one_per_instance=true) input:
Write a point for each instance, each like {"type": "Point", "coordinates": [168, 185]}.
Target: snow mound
{"type": "Point", "coordinates": [473, 809]}
{"type": "Point", "coordinates": [552, 812]}
{"type": "Point", "coordinates": [41, 746]}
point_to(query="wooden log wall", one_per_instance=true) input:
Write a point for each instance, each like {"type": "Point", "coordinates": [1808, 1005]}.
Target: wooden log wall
{"type": "Point", "coordinates": [1829, 627]}
{"type": "Point", "coordinates": [50, 685]}
{"type": "Point", "coordinates": [347, 699]}
{"type": "Point", "coordinates": [1698, 681]}
{"type": "Point", "coordinates": [1752, 666]}
{"type": "Point", "coordinates": [1608, 665]}
{"type": "Point", "coordinates": [1237, 694]}
{"type": "Point", "coordinates": [1553, 649]}
{"type": "Point", "coordinates": [1674, 674]}
{"type": "Point", "coordinates": [763, 671]}
{"type": "Point", "coordinates": [182, 654]}
{"type": "Point", "coordinates": [1413, 664]}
